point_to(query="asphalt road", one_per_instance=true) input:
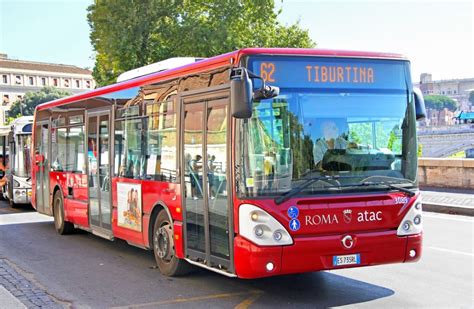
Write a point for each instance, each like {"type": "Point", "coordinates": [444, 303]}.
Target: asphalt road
{"type": "Point", "coordinates": [85, 271]}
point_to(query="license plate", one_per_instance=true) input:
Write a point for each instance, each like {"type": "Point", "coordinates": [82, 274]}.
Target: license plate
{"type": "Point", "coordinates": [351, 259]}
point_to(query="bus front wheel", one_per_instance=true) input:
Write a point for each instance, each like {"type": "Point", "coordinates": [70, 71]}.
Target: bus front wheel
{"type": "Point", "coordinates": [62, 227]}
{"type": "Point", "coordinates": [164, 249]}
{"type": "Point", "coordinates": [12, 203]}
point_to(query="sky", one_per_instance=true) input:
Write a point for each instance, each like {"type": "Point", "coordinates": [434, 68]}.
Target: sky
{"type": "Point", "coordinates": [437, 36]}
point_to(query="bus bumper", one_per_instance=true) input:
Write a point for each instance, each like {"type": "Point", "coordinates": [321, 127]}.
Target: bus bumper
{"type": "Point", "coordinates": [309, 254]}
{"type": "Point", "coordinates": [21, 196]}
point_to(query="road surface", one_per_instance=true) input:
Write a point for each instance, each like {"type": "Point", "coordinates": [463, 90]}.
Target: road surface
{"type": "Point", "coordinates": [86, 271]}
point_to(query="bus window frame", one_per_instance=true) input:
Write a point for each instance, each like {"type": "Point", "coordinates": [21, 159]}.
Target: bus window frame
{"type": "Point", "coordinates": [173, 100]}
{"type": "Point", "coordinates": [62, 119]}
{"type": "Point", "coordinates": [139, 117]}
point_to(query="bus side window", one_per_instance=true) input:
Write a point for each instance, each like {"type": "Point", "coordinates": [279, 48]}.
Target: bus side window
{"type": "Point", "coordinates": [119, 163]}
{"type": "Point", "coordinates": [75, 150]}
{"type": "Point", "coordinates": [59, 149]}
{"type": "Point", "coordinates": [129, 157]}
{"type": "Point", "coordinates": [161, 142]}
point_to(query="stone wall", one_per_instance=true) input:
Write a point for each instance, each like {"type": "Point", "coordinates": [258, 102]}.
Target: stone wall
{"type": "Point", "coordinates": [446, 173]}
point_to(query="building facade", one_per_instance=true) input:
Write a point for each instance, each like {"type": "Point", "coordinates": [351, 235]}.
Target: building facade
{"type": "Point", "coordinates": [443, 117]}
{"type": "Point", "coordinates": [18, 77]}
{"type": "Point", "coordinates": [457, 89]}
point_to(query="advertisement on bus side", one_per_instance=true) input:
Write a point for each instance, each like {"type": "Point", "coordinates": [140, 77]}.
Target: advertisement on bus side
{"type": "Point", "coordinates": [129, 206]}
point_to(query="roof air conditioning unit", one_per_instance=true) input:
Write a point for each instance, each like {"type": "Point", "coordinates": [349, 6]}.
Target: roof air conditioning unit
{"type": "Point", "coordinates": [160, 66]}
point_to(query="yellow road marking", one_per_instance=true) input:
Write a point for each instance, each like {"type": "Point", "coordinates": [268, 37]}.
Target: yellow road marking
{"type": "Point", "coordinates": [247, 302]}
{"type": "Point", "coordinates": [186, 300]}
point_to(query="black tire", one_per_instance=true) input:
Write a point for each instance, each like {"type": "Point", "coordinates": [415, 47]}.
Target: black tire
{"type": "Point", "coordinates": [164, 249]}
{"type": "Point", "coordinates": [10, 197]}
{"type": "Point", "coordinates": [62, 227]}
{"type": "Point", "coordinates": [2, 194]}
{"type": "Point", "coordinates": [13, 204]}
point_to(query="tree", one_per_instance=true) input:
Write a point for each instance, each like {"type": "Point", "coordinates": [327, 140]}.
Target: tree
{"type": "Point", "coordinates": [126, 34]}
{"type": "Point", "coordinates": [32, 99]}
{"type": "Point", "coordinates": [440, 102]}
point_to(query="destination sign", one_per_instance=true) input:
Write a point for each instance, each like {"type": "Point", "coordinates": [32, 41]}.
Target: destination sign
{"type": "Point", "coordinates": [313, 72]}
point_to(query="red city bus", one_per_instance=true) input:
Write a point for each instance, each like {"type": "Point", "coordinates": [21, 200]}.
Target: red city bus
{"type": "Point", "coordinates": [259, 162]}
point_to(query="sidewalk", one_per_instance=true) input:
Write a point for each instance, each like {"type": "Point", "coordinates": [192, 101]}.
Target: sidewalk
{"type": "Point", "coordinates": [17, 291]}
{"type": "Point", "coordinates": [7, 300]}
{"type": "Point", "coordinates": [459, 202]}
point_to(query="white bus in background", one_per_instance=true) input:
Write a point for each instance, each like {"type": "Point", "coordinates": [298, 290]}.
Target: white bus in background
{"type": "Point", "coordinates": [17, 188]}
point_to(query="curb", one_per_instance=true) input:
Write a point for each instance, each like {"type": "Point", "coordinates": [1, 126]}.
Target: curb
{"type": "Point", "coordinates": [448, 209]}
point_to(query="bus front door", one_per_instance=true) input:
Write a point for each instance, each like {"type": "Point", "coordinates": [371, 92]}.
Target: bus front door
{"type": "Point", "coordinates": [42, 191]}
{"type": "Point", "coordinates": [204, 182]}
{"type": "Point", "coordinates": [98, 172]}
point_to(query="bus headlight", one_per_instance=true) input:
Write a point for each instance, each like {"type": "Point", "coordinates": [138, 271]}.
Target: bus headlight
{"type": "Point", "coordinates": [278, 235]}
{"type": "Point", "coordinates": [258, 226]}
{"type": "Point", "coordinates": [259, 231]}
{"type": "Point", "coordinates": [406, 226]}
{"type": "Point", "coordinates": [417, 219]}
{"type": "Point", "coordinates": [412, 223]}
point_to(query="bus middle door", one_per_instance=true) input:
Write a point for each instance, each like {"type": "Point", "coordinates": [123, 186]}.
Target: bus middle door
{"type": "Point", "coordinates": [204, 182]}
{"type": "Point", "coordinates": [42, 153]}
{"type": "Point", "coordinates": [98, 173]}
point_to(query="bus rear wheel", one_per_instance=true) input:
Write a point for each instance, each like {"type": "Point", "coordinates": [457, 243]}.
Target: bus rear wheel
{"type": "Point", "coordinates": [62, 227]}
{"type": "Point", "coordinates": [164, 249]}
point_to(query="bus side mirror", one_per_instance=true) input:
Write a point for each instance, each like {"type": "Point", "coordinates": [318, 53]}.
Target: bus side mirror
{"type": "Point", "coordinates": [420, 109]}
{"type": "Point", "coordinates": [240, 93]}
{"type": "Point", "coordinates": [266, 92]}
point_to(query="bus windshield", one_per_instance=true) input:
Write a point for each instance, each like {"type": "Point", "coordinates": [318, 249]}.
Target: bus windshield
{"type": "Point", "coordinates": [349, 136]}
{"type": "Point", "coordinates": [22, 155]}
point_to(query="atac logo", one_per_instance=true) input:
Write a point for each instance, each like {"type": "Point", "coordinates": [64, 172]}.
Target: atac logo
{"type": "Point", "coordinates": [347, 215]}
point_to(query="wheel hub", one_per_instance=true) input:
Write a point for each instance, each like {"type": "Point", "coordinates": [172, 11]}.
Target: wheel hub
{"type": "Point", "coordinates": [163, 242]}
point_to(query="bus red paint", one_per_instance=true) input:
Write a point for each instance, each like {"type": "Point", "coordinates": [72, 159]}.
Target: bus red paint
{"type": "Point", "coordinates": [259, 162]}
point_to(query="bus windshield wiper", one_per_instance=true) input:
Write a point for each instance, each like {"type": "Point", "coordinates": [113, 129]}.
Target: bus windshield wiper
{"type": "Point", "coordinates": [300, 188]}
{"type": "Point", "coordinates": [335, 178]}
{"type": "Point", "coordinates": [388, 185]}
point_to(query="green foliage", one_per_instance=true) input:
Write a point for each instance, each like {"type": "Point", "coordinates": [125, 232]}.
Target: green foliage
{"type": "Point", "coordinates": [439, 102]}
{"type": "Point", "coordinates": [301, 147]}
{"type": "Point", "coordinates": [127, 34]}
{"type": "Point", "coordinates": [361, 133]}
{"type": "Point", "coordinates": [32, 99]}
{"type": "Point", "coordinates": [385, 136]}
{"type": "Point", "coordinates": [10, 119]}
{"type": "Point", "coordinates": [392, 141]}
{"type": "Point", "coordinates": [471, 96]}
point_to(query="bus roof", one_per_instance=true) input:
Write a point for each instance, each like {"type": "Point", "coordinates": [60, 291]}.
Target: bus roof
{"type": "Point", "coordinates": [214, 63]}
{"type": "Point", "coordinates": [22, 120]}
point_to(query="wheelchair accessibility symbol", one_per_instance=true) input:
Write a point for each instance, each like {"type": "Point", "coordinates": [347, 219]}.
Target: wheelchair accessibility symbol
{"type": "Point", "coordinates": [293, 212]}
